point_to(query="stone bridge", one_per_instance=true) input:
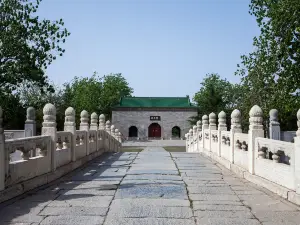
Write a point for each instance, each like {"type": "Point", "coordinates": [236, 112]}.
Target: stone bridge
{"type": "Point", "coordinates": [82, 177]}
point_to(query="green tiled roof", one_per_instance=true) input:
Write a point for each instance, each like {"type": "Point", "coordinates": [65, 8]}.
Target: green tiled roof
{"type": "Point", "coordinates": [155, 102]}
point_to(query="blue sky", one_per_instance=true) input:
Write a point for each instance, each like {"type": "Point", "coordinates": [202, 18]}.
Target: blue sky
{"type": "Point", "coordinates": [162, 47]}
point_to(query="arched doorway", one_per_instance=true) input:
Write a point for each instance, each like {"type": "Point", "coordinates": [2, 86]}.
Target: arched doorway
{"type": "Point", "coordinates": [133, 131]}
{"type": "Point", "coordinates": [154, 131]}
{"type": "Point", "coordinates": [176, 132]}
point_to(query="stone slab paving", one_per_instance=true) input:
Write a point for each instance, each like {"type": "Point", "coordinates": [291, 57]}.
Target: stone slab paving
{"type": "Point", "coordinates": [153, 187]}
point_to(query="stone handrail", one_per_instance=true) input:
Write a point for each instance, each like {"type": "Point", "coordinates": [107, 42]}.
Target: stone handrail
{"type": "Point", "coordinates": [275, 161]}
{"type": "Point", "coordinates": [11, 134]}
{"type": "Point", "coordinates": [241, 149]}
{"type": "Point", "coordinates": [49, 156]}
{"type": "Point", "coordinates": [272, 163]}
{"type": "Point", "coordinates": [28, 167]}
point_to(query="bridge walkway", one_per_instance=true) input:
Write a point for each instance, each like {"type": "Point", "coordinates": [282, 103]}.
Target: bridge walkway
{"type": "Point", "coordinates": [153, 187]}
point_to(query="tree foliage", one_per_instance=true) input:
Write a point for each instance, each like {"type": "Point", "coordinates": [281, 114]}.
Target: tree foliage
{"type": "Point", "coordinates": [270, 74]}
{"type": "Point", "coordinates": [96, 94]}
{"type": "Point", "coordinates": [28, 44]}
{"type": "Point", "coordinates": [31, 95]}
{"type": "Point", "coordinates": [216, 95]}
{"type": "Point", "coordinates": [15, 114]}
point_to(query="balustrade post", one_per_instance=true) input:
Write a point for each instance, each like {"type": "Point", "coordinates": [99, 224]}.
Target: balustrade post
{"type": "Point", "coordinates": [70, 126]}
{"type": "Point", "coordinates": [199, 130]}
{"type": "Point", "coordinates": [274, 125]}
{"type": "Point", "coordinates": [112, 133]}
{"type": "Point", "coordinates": [297, 154]}
{"type": "Point", "coordinates": [212, 126]}
{"type": "Point", "coordinates": [235, 128]}
{"type": "Point", "coordinates": [255, 130]}
{"type": "Point", "coordinates": [190, 140]}
{"type": "Point", "coordinates": [204, 127]}
{"type": "Point", "coordinates": [117, 140]}
{"type": "Point", "coordinates": [94, 126]}
{"type": "Point", "coordinates": [222, 126]}
{"type": "Point", "coordinates": [84, 125]}
{"type": "Point", "coordinates": [49, 129]}
{"type": "Point", "coordinates": [194, 138]}
{"type": "Point", "coordinates": [2, 153]}
{"type": "Point", "coordinates": [107, 129]}
{"type": "Point", "coordinates": [120, 141]}
{"type": "Point", "coordinates": [102, 134]}
{"type": "Point", "coordinates": [30, 126]}
{"type": "Point", "coordinates": [30, 123]}
{"type": "Point", "coordinates": [94, 121]}
{"type": "Point", "coordinates": [186, 142]}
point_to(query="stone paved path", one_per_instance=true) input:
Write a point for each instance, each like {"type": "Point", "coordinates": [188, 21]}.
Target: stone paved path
{"type": "Point", "coordinates": [152, 187]}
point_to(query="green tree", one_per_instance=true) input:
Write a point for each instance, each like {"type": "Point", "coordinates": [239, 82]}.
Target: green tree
{"type": "Point", "coordinates": [270, 74]}
{"type": "Point", "coordinates": [216, 95]}
{"type": "Point", "coordinates": [114, 86]}
{"type": "Point", "coordinates": [32, 95]}
{"type": "Point", "coordinates": [13, 112]}
{"type": "Point", "coordinates": [27, 43]}
{"type": "Point", "coordinates": [96, 94]}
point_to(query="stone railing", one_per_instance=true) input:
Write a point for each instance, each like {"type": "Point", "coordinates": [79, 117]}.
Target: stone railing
{"type": "Point", "coordinates": [12, 134]}
{"type": "Point", "coordinates": [45, 158]}
{"type": "Point", "coordinates": [271, 163]}
{"type": "Point", "coordinates": [275, 161]}
{"type": "Point", "coordinates": [241, 149]}
{"type": "Point", "coordinates": [225, 144]}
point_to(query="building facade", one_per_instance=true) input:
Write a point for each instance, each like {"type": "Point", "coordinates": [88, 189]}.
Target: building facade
{"type": "Point", "coordinates": [145, 118]}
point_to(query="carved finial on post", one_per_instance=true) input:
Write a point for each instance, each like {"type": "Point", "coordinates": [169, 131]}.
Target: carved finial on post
{"type": "Point", "coordinates": [107, 126]}
{"type": "Point", "coordinates": [274, 125]}
{"type": "Point", "coordinates": [112, 130]}
{"type": "Point", "coordinates": [102, 122]}
{"type": "Point", "coordinates": [212, 121]}
{"type": "Point", "coordinates": [49, 117]}
{"type": "Point", "coordinates": [94, 121]}
{"type": "Point", "coordinates": [256, 118]}
{"type": "Point", "coordinates": [199, 125]}
{"type": "Point", "coordinates": [298, 123]}
{"type": "Point", "coordinates": [84, 120]}
{"type": "Point", "coordinates": [30, 124]}
{"type": "Point", "coordinates": [222, 121]}
{"type": "Point", "coordinates": [273, 116]}
{"type": "Point", "coordinates": [117, 134]}
{"type": "Point", "coordinates": [204, 122]}
{"type": "Point", "coordinates": [49, 129]}
{"type": "Point", "coordinates": [69, 119]}
{"type": "Point", "coordinates": [194, 130]}
{"type": "Point", "coordinates": [236, 121]}
{"type": "Point", "coordinates": [30, 116]}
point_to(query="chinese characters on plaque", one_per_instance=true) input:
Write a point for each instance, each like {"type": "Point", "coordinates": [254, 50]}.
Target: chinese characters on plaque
{"type": "Point", "coordinates": [154, 117]}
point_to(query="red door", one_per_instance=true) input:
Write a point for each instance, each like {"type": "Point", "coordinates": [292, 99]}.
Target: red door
{"type": "Point", "coordinates": [154, 130]}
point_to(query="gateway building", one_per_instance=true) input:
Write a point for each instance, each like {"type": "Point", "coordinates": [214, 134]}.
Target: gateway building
{"type": "Point", "coordinates": [143, 118]}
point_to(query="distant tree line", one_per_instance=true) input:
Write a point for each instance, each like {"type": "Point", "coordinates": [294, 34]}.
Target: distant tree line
{"type": "Point", "coordinates": [94, 94]}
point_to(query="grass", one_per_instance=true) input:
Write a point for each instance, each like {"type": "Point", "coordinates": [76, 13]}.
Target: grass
{"type": "Point", "coordinates": [175, 148]}
{"type": "Point", "coordinates": [131, 149]}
